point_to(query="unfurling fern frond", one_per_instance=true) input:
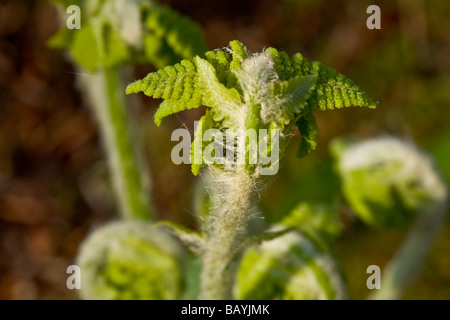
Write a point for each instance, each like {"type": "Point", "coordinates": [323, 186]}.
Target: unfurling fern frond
{"type": "Point", "coordinates": [220, 60]}
{"type": "Point", "coordinates": [224, 102]}
{"type": "Point", "coordinates": [186, 86]}
{"type": "Point", "coordinates": [253, 91]}
{"type": "Point", "coordinates": [290, 267]}
{"type": "Point", "coordinates": [239, 54]}
{"type": "Point", "coordinates": [113, 256]}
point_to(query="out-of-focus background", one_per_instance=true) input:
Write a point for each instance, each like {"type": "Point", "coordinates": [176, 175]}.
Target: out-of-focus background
{"type": "Point", "coordinates": [53, 178]}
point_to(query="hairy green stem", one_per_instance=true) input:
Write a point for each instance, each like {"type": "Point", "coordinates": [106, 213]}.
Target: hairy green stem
{"type": "Point", "coordinates": [233, 196]}
{"type": "Point", "coordinates": [409, 259]}
{"type": "Point", "coordinates": [105, 93]}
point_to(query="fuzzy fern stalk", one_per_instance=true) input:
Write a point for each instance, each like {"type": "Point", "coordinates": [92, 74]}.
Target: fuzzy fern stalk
{"type": "Point", "coordinates": [128, 174]}
{"type": "Point", "coordinates": [116, 33]}
{"type": "Point", "coordinates": [233, 197]}
{"type": "Point", "coordinates": [267, 94]}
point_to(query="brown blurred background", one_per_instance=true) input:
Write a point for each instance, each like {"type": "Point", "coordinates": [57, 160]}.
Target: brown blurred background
{"type": "Point", "coordinates": [53, 179]}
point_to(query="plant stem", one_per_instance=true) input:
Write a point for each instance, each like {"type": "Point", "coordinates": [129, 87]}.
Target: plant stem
{"type": "Point", "coordinates": [409, 259]}
{"type": "Point", "coordinates": [105, 93]}
{"type": "Point", "coordinates": [233, 196]}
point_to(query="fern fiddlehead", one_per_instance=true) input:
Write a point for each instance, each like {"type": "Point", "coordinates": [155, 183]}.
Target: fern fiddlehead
{"type": "Point", "coordinates": [394, 184]}
{"type": "Point", "coordinates": [115, 33]}
{"type": "Point", "coordinates": [244, 91]}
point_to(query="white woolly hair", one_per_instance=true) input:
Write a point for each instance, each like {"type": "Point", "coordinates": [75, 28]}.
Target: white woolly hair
{"type": "Point", "coordinates": [231, 191]}
{"type": "Point", "coordinates": [255, 76]}
{"type": "Point", "coordinates": [233, 202]}
{"type": "Point", "coordinates": [415, 163]}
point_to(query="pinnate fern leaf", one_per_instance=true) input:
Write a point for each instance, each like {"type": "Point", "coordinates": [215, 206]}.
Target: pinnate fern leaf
{"type": "Point", "coordinates": [332, 89]}
{"type": "Point", "coordinates": [177, 85]}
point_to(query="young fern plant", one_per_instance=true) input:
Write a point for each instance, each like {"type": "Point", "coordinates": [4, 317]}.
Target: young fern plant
{"type": "Point", "coordinates": [244, 92]}
{"type": "Point", "coordinates": [114, 34]}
